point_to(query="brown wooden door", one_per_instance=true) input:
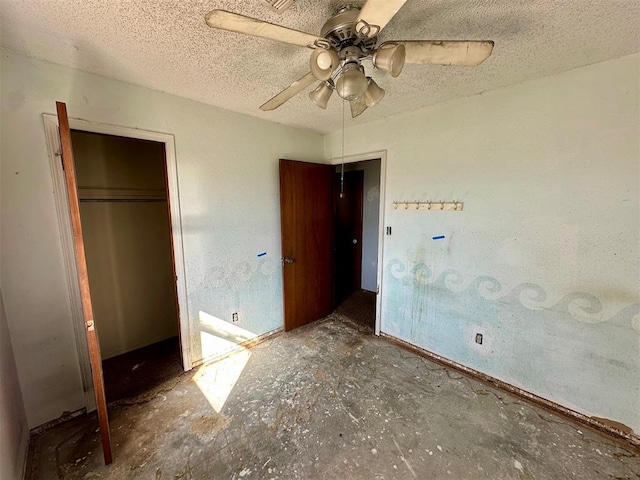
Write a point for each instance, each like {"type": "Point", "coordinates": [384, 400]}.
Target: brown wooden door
{"type": "Point", "coordinates": [348, 243]}
{"type": "Point", "coordinates": [83, 279]}
{"type": "Point", "coordinates": [306, 212]}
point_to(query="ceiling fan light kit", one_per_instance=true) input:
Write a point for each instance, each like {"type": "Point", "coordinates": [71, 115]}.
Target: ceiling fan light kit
{"type": "Point", "coordinates": [352, 82]}
{"type": "Point", "coordinates": [347, 38]}
{"type": "Point", "coordinates": [320, 96]}
{"type": "Point", "coordinates": [390, 58]}
{"type": "Point", "coordinates": [323, 62]}
{"type": "Point", "coordinates": [374, 94]}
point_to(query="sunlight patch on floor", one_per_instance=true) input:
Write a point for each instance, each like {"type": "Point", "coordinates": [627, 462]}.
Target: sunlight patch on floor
{"type": "Point", "coordinates": [221, 341]}
{"type": "Point", "coordinates": [217, 379]}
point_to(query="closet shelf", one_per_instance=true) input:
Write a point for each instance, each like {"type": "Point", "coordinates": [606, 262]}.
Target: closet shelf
{"type": "Point", "coordinates": [120, 195]}
{"type": "Point", "coordinates": [121, 200]}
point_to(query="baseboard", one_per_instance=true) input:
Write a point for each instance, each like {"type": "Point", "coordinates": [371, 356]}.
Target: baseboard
{"type": "Point", "coordinates": [261, 338]}
{"type": "Point", "coordinates": [57, 421]}
{"type": "Point", "coordinates": [246, 344]}
{"type": "Point", "coordinates": [595, 423]}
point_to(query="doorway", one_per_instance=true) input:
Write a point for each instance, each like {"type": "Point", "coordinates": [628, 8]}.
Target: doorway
{"type": "Point", "coordinates": [311, 261]}
{"type": "Point", "coordinates": [348, 203]}
{"type": "Point", "coordinates": [357, 210]}
{"type": "Point", "coordinates": [122, 192]}
{"type": "Point", "coordinates": [54, 147]}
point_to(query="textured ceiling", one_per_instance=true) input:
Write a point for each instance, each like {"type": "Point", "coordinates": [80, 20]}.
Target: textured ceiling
{"type": "Point", "coordinates": [166, 45]}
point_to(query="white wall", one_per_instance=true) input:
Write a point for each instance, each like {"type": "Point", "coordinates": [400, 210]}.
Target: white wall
{"type": "Point", "coordinates": [370, 220]}
{"type": "Point", "coordinates": [228, 181]}
{"type": "Point", "coordinates": [370, 227]}
{"type": "Point", "coordinates": [14, 433]}
{"type": "Point", "coordinates": [544, 259]}
{"type": "Point", "coordinates": [128, 243]}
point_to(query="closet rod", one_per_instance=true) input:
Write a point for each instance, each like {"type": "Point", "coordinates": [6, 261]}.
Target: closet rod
{"type": "Point", "coordinates": [123, 200]}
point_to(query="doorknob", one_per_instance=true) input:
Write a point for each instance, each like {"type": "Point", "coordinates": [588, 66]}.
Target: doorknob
{"type": "Point", "coordinates": [287, 260]}
{"type": "Point", "coordinates": [355, 240]}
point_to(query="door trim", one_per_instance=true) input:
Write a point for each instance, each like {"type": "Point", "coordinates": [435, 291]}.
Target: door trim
{"type": "Point", "coordinates": [59, 190]}
{"type": "Point", "coordinates": [361, 157]}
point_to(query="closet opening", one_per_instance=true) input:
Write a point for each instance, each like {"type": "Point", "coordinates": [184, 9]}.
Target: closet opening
{"type": "Point", "coordinates": [126, 222]}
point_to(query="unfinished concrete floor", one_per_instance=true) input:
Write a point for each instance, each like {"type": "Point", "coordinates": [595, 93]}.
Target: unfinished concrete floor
{"type": "Point", "coordinates": [328, 401]}
{"type": "Point", "coordinates": [136, 372]}
{"type": "Point", "coordinates": [360, 307]}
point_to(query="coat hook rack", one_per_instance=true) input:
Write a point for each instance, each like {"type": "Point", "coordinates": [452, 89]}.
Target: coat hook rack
{"type": "Point", "coordinates": [435, 206]}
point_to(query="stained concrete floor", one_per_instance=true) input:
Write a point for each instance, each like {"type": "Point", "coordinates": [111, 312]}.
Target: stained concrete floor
{"type": "Point", "coordinates": [136, 372]}
{"type": "Point", "coordinates": [328, 401]}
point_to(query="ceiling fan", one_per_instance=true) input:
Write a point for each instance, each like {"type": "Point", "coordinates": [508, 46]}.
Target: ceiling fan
{"type": "Point", "coordinates": [347, 39]}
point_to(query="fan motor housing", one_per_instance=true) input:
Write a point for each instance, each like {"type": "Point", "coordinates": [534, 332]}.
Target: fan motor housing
{"type": "Point", "coordinates": [340, 30]}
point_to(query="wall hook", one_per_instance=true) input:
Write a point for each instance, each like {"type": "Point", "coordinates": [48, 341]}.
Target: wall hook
{"type": "Point", "coordinates": [454, 205]}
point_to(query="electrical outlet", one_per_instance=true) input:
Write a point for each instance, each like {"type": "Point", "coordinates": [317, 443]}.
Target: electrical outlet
{"type": "Point", "coordinates": [234, 317]}
{"type": "Point", "coordinates": [479, 338]}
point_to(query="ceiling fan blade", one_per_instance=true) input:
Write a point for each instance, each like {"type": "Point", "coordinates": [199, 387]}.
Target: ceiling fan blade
{"type": "Point", "coordinates": [234, 22]}
{"type": "Point", "coordinates": [289, 92]}
{"type": "Point", "coordinates": [358, 106]}
{"type": "Point", "coordinates": [442, 52]}
{"type": "Point", "coordinates": [379, 13]}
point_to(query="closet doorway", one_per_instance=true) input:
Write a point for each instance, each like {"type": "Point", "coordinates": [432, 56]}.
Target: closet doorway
{"type": "Point", "coordinates": [122, 191]}
{"type": "Point", "coordinates": [105, 185]}
{"type": "Point", "coordinates": [101, 185]}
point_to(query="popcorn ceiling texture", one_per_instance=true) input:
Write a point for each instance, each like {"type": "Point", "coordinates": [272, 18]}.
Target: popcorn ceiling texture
{"type": "Point", "coordinates": [167, 46]}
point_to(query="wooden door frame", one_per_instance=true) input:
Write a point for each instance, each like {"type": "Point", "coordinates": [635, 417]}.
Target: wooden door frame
{"type": "Point", "coordinates": [362, 157]}
{"type": "Point", "coordinates": [64, 224]}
